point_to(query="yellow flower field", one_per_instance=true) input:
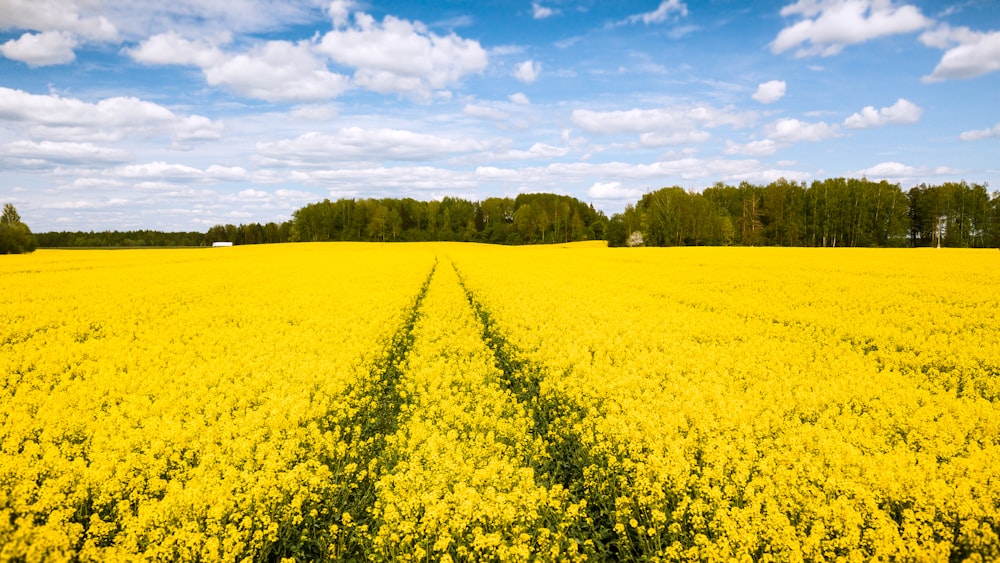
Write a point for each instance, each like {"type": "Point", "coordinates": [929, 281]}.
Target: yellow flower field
{"type": "Point", "coordinates": [436, 402]}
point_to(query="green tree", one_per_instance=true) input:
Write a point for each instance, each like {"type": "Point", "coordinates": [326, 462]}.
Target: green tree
{"type": "Point", "coordinates": [15, 236]}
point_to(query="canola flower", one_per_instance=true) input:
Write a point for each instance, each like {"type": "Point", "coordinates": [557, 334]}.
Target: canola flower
{"type": "Point", "coordinates": [186, 404]}
{"type": "Point", "coordinates": [447, 402]}
{"type": "Point", "coordinates": [768, 404]}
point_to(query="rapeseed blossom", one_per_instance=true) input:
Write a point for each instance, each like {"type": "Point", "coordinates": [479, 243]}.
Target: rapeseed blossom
{"type": "Point", "coordinates": [450, 402]}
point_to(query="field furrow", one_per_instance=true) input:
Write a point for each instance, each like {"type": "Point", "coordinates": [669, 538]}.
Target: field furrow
{"type": "Point", "coordinates": [459, 480]}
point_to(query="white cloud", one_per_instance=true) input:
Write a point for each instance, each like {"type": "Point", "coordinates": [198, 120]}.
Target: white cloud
{"type": "Point", "coordinates": [170, 48]}
{"type": "Point", "coordinates": [253, 194]}
{"type": "Point", "coordinates": [227, 173]}
{"type": "Point", "coordinates": [62, 152]}
{"type": "Point", "coordinates": [399, 56]}
{"type": "Point", "coordinates": [651, 139]}
{"type": "Point", "coordinates": [485, 112]}
{"type": "Point", "coordinates": [761, 147]}
{"type": "Point", "coordinates": [793, 131]}
{"type": "Point", "coordinates": [900, 171]}
{"type": "Point", "coordinates": [340, 12]}
{"type": "Point", "coordinates": [968, 53]}
{"type": "Point", "coordinates": [980, 134]}
{"type": "Point", "coordinates": [770, 91]}
{"type": "Point", "coordinates": [355, 144]}
{"type": "Point", "coordinates": [686, 169]}
{"type": "Point", "coordinates": [314, 112]}
{"type": "Point", "coordinates": [944, 36]}
{"type": "Point", "coordinates": [538, 151]}
{"type": "Point", "coordinates": [396, 180]}
{"type": "Point", "coordinates": [61, 29]}
{"type": "Point", "coordinates": [612, 190]}
{"type": "Point", "coordinates": [540, 12]}
{"type": "Point", "coordinates": [830, 25]}
{"type": "Point", "coordinates": [55, 15]}
{"type": "Point", "coordinates": [527, 71]}
{"type": "Point", "coordinates": [157, 170]}
{"type": "Point", "coordinates": [901, 113]}
{"type": "Point", "coordinates": [660, 14]}
{"type": "Point", "coordinates": [41, 49]}
{"type": "Point", "coordinates": [278, 71]}
{"type": "Point", "coordinates": [889, 170]}
{"type": "Point", "coordinates": [59, 118]}
{"type": "Point", "coordinates": [542, 150]}
{"type": "Point", "coordinates": [392, 56]}
{"type": "Point", "coordinates": [272, 71]}
{"type": "Point", "coordinates": [676, 119]}
{"type": "Point", "coordinates": [519, 99]}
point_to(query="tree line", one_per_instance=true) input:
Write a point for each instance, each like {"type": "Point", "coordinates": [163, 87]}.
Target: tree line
{"type": "Point", "coordinates": [832, 212]}
{"type": "Point", "coordinates": [527, 219]}
{"type": "Point", "coordinates": [119, 239]}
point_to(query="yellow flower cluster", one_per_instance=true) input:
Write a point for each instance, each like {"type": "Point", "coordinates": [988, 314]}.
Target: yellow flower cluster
{"type": "Point", "coordinates": [185, 404]}
{"type": "Point", "coordinates": [459, 481]}
{"type": "Point", "coordinates": [767, 404]}
{"type": "Point", "coordinates": [440, 402]}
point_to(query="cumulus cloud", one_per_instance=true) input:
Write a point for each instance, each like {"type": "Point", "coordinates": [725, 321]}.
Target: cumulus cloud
{"type": "Point", "coordinates": [396, 180]}
{"type": "Point", "coordinates": [355, 144]}
{"type": "Point", "coordinates": [540, 12]}
{"type": "Point", "coordinates": [519, 99]}
{"type": "Point", "coordinates": [278, 71]}
{"type": "Point", "coordinates": [115, 118]}
{"type": "Point", "coordinates": [527, 71]}
{"type": "Point", "coordinates": [770, 91]}
{"type": "Point", "coordinates": [41, 49]}
{"type": "Point", "coordinates": [762, 147]}
{"type": "Point", "coordinates": [900, 171]}
{"type": "Point", "coordinates": [827, 26]}
{"type": "Point", "coordinates": [227, 173]}
{"type": "Point", "coordinates": [674, 119]}
{"type": "Point", "coordinates": [653, 139]}
{"type": "Point", "coordinates": [485, 112]}
{"type": "Point", "coordinates": [172, 49]}
{"type": "Point", "coordinates": [612, 190]}
{"type": "Point", "coordinates": [157, 170]}
{"type": "Point", "coordinates": [967, 54]}
{"type": "Point", "coordinates": [537, 151]}
{"type": "Point", "coordinates": [61, 152]}
{"type": "Point", "coordinates": [60, 27]}
{"type": "Point", "coordinates": [55, 15]}
{"type": "Point", "coordinates": [340, 12]}
{"type": "Point", "coordinates": [664, 172]}
{"type": "Point", "coordinates": [980, 134]}
{"type": "Point", "coordinates": [272, 71]}
{"type": "Point", "coordinates": [314, 112]}
{"type": "Point", "coordinates": [391, 56]}
{"type": "Point", "coordinates": [661, 14]}
{"type": "Point", "coordinates": [794, 131]}
{"type": "Point", "coordinates": [903, 112]}
{"type": "Point", "coordinates": [399, 56]}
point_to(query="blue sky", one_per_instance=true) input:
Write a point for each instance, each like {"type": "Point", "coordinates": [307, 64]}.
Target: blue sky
{"type": "Point", "coordinates": [129, 114]}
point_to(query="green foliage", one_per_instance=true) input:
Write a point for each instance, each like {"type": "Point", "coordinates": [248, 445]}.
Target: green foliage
{"type": "Point", "coordinates": [15, 236]}
{"type": "Point", "coordinates": [953, 214]}
{"type": "Point", "coordinates": [252, 233]}
{"type": "Point", "coordinates": [527, 219]}
{"type": "Point", "coordinates": [118, 239]}
{"type": "Point", "coordinates": [831, 212]}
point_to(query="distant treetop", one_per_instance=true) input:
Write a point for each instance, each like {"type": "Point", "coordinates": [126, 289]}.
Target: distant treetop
{"type": "Point", "coordinates": [15, 236]}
